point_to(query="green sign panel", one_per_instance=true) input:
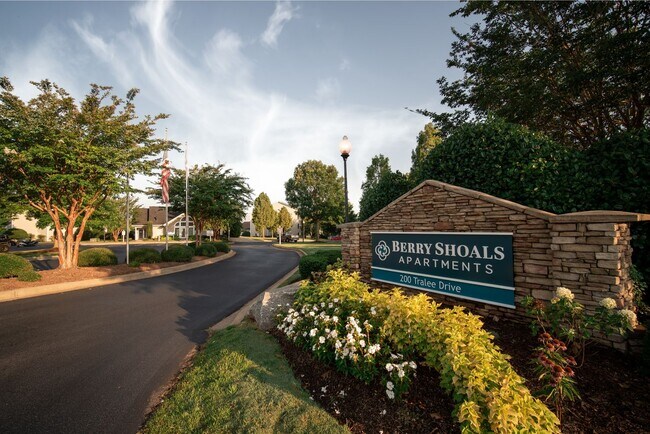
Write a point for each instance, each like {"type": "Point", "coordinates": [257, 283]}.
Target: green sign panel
{"type": "Point", "coordinates": [475, 266]}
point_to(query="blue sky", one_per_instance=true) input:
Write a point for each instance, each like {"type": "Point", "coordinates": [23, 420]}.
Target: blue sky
{"type": "Point", "coordinates": [258, 86]}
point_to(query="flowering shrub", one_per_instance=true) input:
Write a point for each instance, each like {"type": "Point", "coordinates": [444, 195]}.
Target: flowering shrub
{"type": "Point", "coordinates": [346, 333]}
{"type": "Point", "coordinates": [403, 330]}
{"type": "Point", "coordinates": [554, 369]}
{"type": "Point", "coordinates": [566, 318]}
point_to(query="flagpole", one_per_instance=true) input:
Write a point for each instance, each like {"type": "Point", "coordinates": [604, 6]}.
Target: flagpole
{"type": "Point", "coordinates": [128, 217]}
{"type": "Point", "coordinates": [166, 203]}
{"type": "Point", "coordinates": [187, 216]}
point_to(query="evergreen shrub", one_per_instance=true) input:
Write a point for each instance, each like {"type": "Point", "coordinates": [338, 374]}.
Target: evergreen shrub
{"type": "Point", "coordinates": [177, 253]}
{"type": "Point", "coordinates": [97, 257]}
{"type": "Point", "coordinates": [206, 249]}
{"type": "Point", "coordinates": [145, 255]}
{"type": "Point", "coordinates": [13, 265]}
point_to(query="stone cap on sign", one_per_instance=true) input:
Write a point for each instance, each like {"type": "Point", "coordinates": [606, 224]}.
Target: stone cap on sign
{"type": "Point", "coordinates": [349, 225]}
{"type": "Point", "coordinates": [600, 216]}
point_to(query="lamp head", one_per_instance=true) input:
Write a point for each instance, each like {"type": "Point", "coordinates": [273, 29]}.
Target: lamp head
{"type": "Point", "coordinates": [345, 146]}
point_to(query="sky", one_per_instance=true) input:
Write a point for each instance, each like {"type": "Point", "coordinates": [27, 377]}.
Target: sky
{"type": "Point", "coordinates": [258, 86]}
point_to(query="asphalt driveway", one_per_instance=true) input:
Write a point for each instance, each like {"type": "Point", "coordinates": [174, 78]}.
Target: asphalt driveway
{"type": "Point", "coordinates": [91, 360]}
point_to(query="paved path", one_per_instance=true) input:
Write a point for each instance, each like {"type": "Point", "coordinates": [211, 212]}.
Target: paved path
{"type": "Point", "coordinates": [89, 361]}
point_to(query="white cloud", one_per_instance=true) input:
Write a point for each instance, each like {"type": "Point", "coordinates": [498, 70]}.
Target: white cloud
{"type": "Point", "coordinates": [215, 103]}
{"type": "Point", "coordinates": [344, 65]}
{"type": "Point", "coordinates": [328, 89]}
{"type": "Point", "coordinates": [282, 14]}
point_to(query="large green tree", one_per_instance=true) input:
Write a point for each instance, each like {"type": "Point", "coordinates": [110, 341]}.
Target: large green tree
{"type": "Point", "coordinates": [217, 196]}
{"type": "Point", "coordinates": [379, 166]}
{"type": "Point", "coordinates": [576, 71]}
{"type": "Point", "coordinates": [264, 216]}
{"type": "Point", "coordinates": [390, 186]}
{"type": "Point", "coordinates": [427, 140]}
{"type": "Point", "coordinates": [65, 158]}
{"type": "Point", "coordinates": [284, 219]}
{"type": "Point", "coordinates": [111, 215]}
{"type": "Point", "coordinates": [316, 193]}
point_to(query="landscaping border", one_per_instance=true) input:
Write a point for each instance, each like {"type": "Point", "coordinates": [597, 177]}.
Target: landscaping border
{"type": "Point", "coordinates": [58, 288]}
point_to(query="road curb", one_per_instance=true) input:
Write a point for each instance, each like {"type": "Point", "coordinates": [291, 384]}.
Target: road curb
{"type": "Point", "coordinates": [239, 315]}
{"type": "Point", "coordinates": [57, 288]}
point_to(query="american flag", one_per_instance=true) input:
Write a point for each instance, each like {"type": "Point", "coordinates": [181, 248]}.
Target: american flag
{"type": "Point", "coordinates": [164, 183]}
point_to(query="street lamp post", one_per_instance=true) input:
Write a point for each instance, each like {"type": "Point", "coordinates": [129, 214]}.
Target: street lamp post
{"type": "Point", "coordinates": [345, 147]}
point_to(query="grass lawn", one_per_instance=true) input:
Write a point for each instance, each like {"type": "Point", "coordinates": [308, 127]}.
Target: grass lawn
{"type": "Point", "coordinates": [240, 383]}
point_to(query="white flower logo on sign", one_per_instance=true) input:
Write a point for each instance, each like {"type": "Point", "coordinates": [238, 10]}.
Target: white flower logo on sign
{"type": "Point", "coordinates": [382, 250]}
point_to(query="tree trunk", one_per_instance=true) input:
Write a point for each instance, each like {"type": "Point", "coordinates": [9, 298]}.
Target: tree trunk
{"type": "Point", "coordinates": [198, 230]}
{"type": "Point", "coordinates": [317, 230]}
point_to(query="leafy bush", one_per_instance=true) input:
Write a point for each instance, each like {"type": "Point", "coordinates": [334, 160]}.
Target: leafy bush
{"type": "Point", "coordinates": [222, 247]}
{"type": "Point", "coordinates": [29, 276]}
{"type": "Point", "coordinates": [97, 257]}
{"type": "Point", "coordinates": [508, 161]}
{"type": "Point", "coordinates": [13, 265]}
{"type": "Point", "coordinates": [489, 394]}
{"type": "Point", "coordinates": [246, 234]}
{"type": "Point", "coordinates": [177, 253]}
{"type": "Point", "coordinates": [206, 249]}
{"type": "Point", "coordinates": [317, 262]}
{"type": "Point", "coordinates": [16, 234]}
{"type": "Point", "coordinates": [145, 255]}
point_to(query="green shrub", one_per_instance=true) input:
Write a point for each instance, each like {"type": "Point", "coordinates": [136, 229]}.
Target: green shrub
{"type": "Point", "coordinates": [16, 234]}
{"type": "Point", "coordinates": [13, 266]}
{"type": "Point", "coordinates": [508, 161]}
{"type": "Point", "coordinates": [317, 262]}
{"type": "Point", "coordinates": [246, 234]}
{"type": "Point", "coordinates": [29, 276]}
{"type": "Point", "coordinates": [145, 255]}
{"type": "Point", "coordinates": [97, 257]}
{"type": "Point", "coordinates": [222, 247]}
{"type": "Point", "coordinates": [177, 253]}
{"type": "Point", "coordinates": [206, 249]}
{"type": "Point", "coordinates": [490, 396]}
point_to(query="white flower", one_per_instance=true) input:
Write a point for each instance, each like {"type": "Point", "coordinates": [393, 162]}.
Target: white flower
{"type": "Point", "coordinates": [608, 303]}
{"type": "Point", "coordinates": [373, 311]}
{"type": "Point", "coordinates": [400, 373]}
{"type": "Point", "coordinates": [336, 300]}
{"type": "Point", "coordinates": [412, 365]}
{"type": "Point", "coordinates": [372, 349]}
{"type": "Point", "coordinates": [322, 304]}
{"type": "Point", "coordinates": [331, 305]}
{"type": "Point", "coordinates": [338, 345]}
{"type": "Point", "coordinates": [321, 340]}
{"type": "Point", "coordinates": [362, 343]}
{"type": "Point", "coordinates": [389, 385]}
{"type": "Point", "coordinates": [323, 389]}
{"type": "Point", "coordinates": [389, 367]}
{"type": "Point", "coordinates": [345, 352]}
{"type": "Point", "coordinates": [390, 394]}
{"type": "Point", "coordinates": [312, 313]}
{"type": "Point", "coordinates": [335, 319]}
{"type": "Point", "coordinates": [562, 292]}
{"type": "Point", "coordinates": [313, 332]}
{"type": "Point", "coordinates": [630, 318]}
{"type": "Point", "coordinates": [334, 334]}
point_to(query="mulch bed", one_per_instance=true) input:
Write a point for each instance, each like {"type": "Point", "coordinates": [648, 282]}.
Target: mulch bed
{"type": "Point", "coordinates": [615, 394]}
{"type": "Point", "coordinates": [50, 277]}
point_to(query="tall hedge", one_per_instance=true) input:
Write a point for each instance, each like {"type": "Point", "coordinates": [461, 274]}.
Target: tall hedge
{"type": "Point", "coordinates": [507, 161]}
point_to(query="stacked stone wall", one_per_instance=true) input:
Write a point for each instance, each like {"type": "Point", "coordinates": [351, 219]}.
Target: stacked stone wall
{"type": "Point", "coordinates": [587, 252]}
